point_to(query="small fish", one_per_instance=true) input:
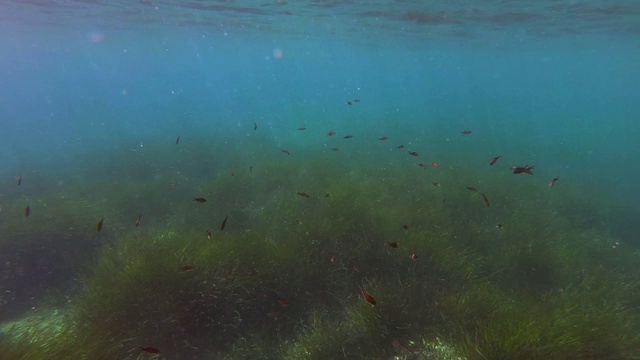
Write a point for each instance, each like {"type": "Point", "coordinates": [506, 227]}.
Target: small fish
{"type": "Point", "coordinates": [399, 146]}
{"type": "Point", "coordinates": [435, 183]}
{"type": "Point", "coordinates": [348, 136]}
{"type": "Point", "coordinates": [224, 223]}
{"type": "Point", "coordinates": [335, 149]}
{"type": "Point", "coordinates": [413, 256]}
{"type": "Point", "coordinates": [333, 258]}
{"type": "Point", "coordinates": [299, 222]}
{"type": "Point", "coordinates": [422, 165]}
{"type": "Point", "coordinates": [472, 189]}
{"type": "Point", "coordinates": [466, 132]}
{"type": "Point", "coordinates": [356, 268]}
{"type": "Point", "coordinates": [138, 220]}
{"type": "Point", "coordinates": [522, 169]}
{"type": "Point", "coordinates": [27, 211]}
{"type": "Point", "coordinates": [356, 100]}
{"type": "Point", "coordinates": [405, 226]}
{"type": "Point", "coordinates": [331, 133]}
{"type": "Point", "coordinates": [150, 349]}
{"type": "Point", "coordinates": [231, 172]}
{"type": "Point", "coordinates": [100, 223]}
{"type": "Point", "coordinates": [493, 161]}
{"type": "Point", "coordinates": [499, 226]}
{"type": "Point", "coordinates": [19, 180]}
{"type": "Point", "coordinates": [304, 195]}
{"type": "Point", "coordinates": [327, 195]}
{"type": "Point", "coordinates": [250, 168]}
{"type": "Point", "coordinates": [554, 181]}
{"type": "Point", "coordinates": [486, 200]}
{"type": "Point", "coordinates": [302, 128]}
{"type": "Point", "coordinates": [282, 301]}
{"type": "Point", "coordinates": [349, 103]}
{"type": "Point", "coordinates": [186, 267]}
{"type": "Point", "coordinates": [392, 244]}
{"type": "Point", "coordinates": [178, 140]}
{"type": "Point", "coordinates": [434, 164]}
{"type": "Point", "coordinates": [199, 199]}
{"type": "Point", "coordinates": [255, 126]}
{"type": "Point", "coordinates": [209, 234]}
{"type": "Point", "coordinates": [367, 297]}
{"type": "Point", "coordinates": [286, 151]}
{"type": "Point", "coordinates": [413, 153]}
{"type": "Point", "coordinates": [383, 138]}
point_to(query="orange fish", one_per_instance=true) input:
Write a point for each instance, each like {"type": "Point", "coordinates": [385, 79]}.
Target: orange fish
{"type": "Point", "coordinates": [27, 211]}
{"type": "Point", "coordinates": [434, 164]}
{"type": "Point", "coordinates": [392, 244]}
{"type": "Point", "coordinates": [466, 132]}
{"type": "Point", "coordinates": [186, 267]}
{"type": "Point", "coordinates": [493, 161]}
{"type": "Point", "coordinates": [472, 189]}
{"type": "Point", "coordinates": [304, 195]}
{"type": "Point", "coordinates": [209, 234]}
{"type": "Point", "coordinates": [413, 153]}
{"type": "Point", "coordinates": [282, 301]}
{"type": "Point", "coordinates": [100, 224]}
{"type": "Point", "coordinates": [486, 200]}
{"type": "Point", "coordinates": [286, 151]}
{"type": "Point", "coordinates": [383, 138]}
{"type": "Point", "coordinates": [367, 297]}
{"type": "Point", "coordinates": [199, 199]}
{"type": "Point", "coordinates": [138, 220]}
{"type": "Point", "coordinates": [150, 349]}
{"type": "Point", "coordinates": [224, 223]}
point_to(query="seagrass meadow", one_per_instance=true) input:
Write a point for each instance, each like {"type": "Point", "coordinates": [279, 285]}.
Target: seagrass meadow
{"type": "Point", "coordinates": [533, 273]}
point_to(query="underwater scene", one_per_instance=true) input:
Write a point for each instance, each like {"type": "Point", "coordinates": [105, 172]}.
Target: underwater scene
{"type": "Point", "coordinates": [319, 179]}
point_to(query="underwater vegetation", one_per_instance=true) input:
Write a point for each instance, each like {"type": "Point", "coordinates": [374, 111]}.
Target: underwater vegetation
{"type": "Point", "coordinates": [529, 276]}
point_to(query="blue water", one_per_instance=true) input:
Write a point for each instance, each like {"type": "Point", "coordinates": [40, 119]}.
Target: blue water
{"type": "Point", "coordinates": [555, 85]}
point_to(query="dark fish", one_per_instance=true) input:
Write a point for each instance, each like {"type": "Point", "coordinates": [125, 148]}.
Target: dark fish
{"type": "Point", "coordinates": [304, 195]}
{"type": "Point", "coordinates": [493, 161]}
{"type": "Point", "coordinates": [331, 133]}
{"type": "Point", "coordinates": [302, 128]}
{"type": "Point", "coordinates": [250, 168]}
{"type": "Point", "coordinates": [499, 226]}
{"type": "Point", "coordinates": [405, 226]}
{"type": "Point", "coordinates": [333, 258]}
{"type": "Point", "coordinates": [327, 195]}
{"type": "Point", "coordinates": [399, 146]}
{"type": "Point", "coordinates": [199, 199]}
{"type": "Point", "coordinates": [435, 183]}
{"type": "Point", "coordinates": [522, 169]}
{"type": "Point", "coordinates": [335, 149]}
{"type": "Point", "coordinates": [356, 100]}
{"type": "Point", "coordinates": [255, 126]}
{"type": "Point", "coordinates": [138, 220]}
{"type": "Point", "coordinates": [554, 180]}
{"type": "Point", "coordinates": [27, 211]}
{"type": "Point", "coordinates": [19, 180]}
{"type": "Point", "coordinates": [348, 136]}
{"type": "Point", "coordinates": [286, 151]}
{"type": "Point", "coordinates": [224, 223]}
{"type": "Point", "coordinates": [231, 172]}
{"type": "Point", "coordinates": [383, 138]}
{"type": "Point", "coordinates": [282, 301]}
{"type": "Point", "coordinates": [349, 103]}
{"type": "Point", "coordinates": [413, 153]}
{"type": "Point", "coordinates": [466, 132]}
{"type": "Point", "coordinates": [471, 188]}
{"type": "Point", "coordinates": [150, 349]}
{"type": "Point", "coordinates": [100, 223]}
{"type": "Point", "coordinates": [186, 267]}
{"type": "Point", "coordinates": [367, 297]}
{"type": "Point", "coordinates": [178, 140]}
{"type": "Point", "coordinates": [422, 165]}
{"type": "Point", "coordinates": [486, 200]}
{"type": "Point", "coordinates": [392, 244]}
